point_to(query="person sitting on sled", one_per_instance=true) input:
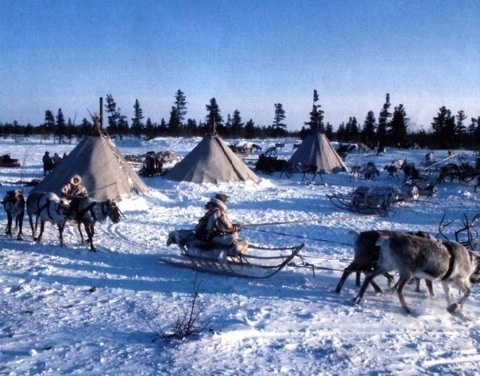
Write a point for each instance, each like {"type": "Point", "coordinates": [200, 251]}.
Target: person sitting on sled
{"type": "Point", "coordinates": [215, 226]}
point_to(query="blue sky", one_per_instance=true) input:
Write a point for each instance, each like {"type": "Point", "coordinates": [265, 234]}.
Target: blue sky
{"type": "Point", "coordinates": [249, 55]}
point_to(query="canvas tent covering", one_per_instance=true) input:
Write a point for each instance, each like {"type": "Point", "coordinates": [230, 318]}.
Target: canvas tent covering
{"type": "Point", "coordinates": [104, 172]}
{"type": "Point", "coordinates": [211, 161]}
{"type": "Point", "coordinates": [317, 150]}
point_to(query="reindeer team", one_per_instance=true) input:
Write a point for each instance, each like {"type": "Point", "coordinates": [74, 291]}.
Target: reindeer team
{"type": "Point", "coordinates": [48, 207]}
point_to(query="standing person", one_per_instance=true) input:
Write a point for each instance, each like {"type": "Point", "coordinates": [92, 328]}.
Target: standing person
{"type": "Point", "coordinates": [56, 159]}
{"type": "Point", "coordinates": [74, 188]}
{"type": "Point", "coordinates": [215, 226]}
{"type": "Point", "coordinates": [47, 163]}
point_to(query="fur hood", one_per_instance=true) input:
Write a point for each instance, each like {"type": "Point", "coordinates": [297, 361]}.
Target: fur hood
{"type": "Point", "coordinates": [218, 203]}
{"type": "Point", "coordinates": [76, 177]}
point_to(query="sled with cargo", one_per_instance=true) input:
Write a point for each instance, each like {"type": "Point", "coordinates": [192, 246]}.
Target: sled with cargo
{"type": "Point", "coordinates": [254, 262]}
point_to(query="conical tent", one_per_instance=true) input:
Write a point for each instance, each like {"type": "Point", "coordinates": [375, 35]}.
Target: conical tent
{"type": "Point", "coordinates": [104, 171]}
{"type": "Point", "coordinates": [211, 161]}
{"type": "Point", "coordinates": [317, 150]}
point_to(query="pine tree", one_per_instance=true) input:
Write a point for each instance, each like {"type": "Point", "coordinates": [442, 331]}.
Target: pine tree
{"type": "Point", "coordinates": [137, 125]}
{"type": "Point", "coordinates": [249, 130]}
{"type": "Point", "coordinates": [214, 118]}
{"type": "Point", "coordinates": [278, 125]}
{"type": "Point", "coordinates": [398, 127]}
{"type": "Point", "coordinates": [180, 106]}
{"type": "Point", "coordinates": [351, 130]}
{"type": "Point", "coordinates": [444, 128]}
{"type": "Point", "coordinates": [368, 132]}
{"type": "Point", "coordinates": [460, 128]}
{"type": "Point", "coordinates": [174, 123]}
{"type": "Point", "coordinates": [49, 124]}
{"type": "Point", "coordinates": [60, 125]}
{"type": "Point", "coordinates": [316, 116]}
{"type": "Point", "coordinates": [114, 115]}
{"type": "Point", "coordinates": [383, 122]}
{"type": "Point", "coordinates": [236, 124]}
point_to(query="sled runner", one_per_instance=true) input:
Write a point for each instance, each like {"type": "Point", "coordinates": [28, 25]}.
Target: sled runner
{"type": "Point", "coordinates": [263, 263]}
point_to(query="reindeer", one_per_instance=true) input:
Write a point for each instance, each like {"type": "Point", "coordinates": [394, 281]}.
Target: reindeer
{"type": "Point", "coordinates": [370, 171]}
{"type": "Point", "coordinates": [308, 169]}
{"type": "Point", "coordinates": [47, 207]}
{"type": "Point", "coordinates": [366, 255]}
{"type": "Point", "coordinates": [392, 171]}
{"type": "Point", "coordinates": [87, 211]}
{"type": "Point", "coordinates": [271, 151]}
{"type": "Point", "coordinates": [450, 170]}
{"type": "Point", "coordinates": [14, 205]}
{"type": "Point", "coordinates": [414, 256]}
{"type": "Point", "coordinates": [410, 171]}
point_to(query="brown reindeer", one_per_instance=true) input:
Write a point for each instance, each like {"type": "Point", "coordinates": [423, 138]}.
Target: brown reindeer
{"type": "Point", "coordinates": [88, 212]}
{"type": "Point", "coordinates": [14, 205]}
{"type": "Point", "coordinates": [366, 254]}
{"type": "Point", "coordinates": [414, 256]}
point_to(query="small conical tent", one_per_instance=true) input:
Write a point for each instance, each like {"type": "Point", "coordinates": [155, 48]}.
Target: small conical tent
{"type": "Point", "coordinates": [211, 161]}
{"type": "Point", "coordinates": [317, 150]}
{"type": "Point", "coordinates": [104, 172]}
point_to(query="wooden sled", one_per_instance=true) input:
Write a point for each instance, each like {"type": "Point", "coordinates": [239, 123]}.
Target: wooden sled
{"type": "Point", "coordinates": [257, 262]}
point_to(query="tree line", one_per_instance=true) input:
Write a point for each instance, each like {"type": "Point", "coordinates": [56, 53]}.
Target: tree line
{"type": "Point", "coordinates": [390, 129]}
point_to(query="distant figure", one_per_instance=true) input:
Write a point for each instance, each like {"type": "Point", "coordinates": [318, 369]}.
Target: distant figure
{"type": "Point", "coordinates": [56, 160]}
{"type": "Point", "coordinates": [47, 163]}
{"type": "Point", "coordinates": [64, 155]}
{"type": "Point", "coordinates": [429, 157]}
{"type": "Point", "coordinates": [149, 165]}
{"type": "Point", "coordinates": [74, 188]}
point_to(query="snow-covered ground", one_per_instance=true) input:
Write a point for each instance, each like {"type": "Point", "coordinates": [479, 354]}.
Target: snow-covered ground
{"type": "Point", "coordinates": [65, 310]}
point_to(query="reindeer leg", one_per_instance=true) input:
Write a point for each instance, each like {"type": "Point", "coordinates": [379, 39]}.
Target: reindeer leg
{"type": "Point", "coordinates": [90, 232]}
{"type": "Point", "coordinates": [429, 287]}
{"type": "Point", "coordinates": [344, 277]}
{"type": "Point", "coordinates": [452, 308]}
{"type": "Point", "coordinates": [401, 284]}
{"type": "Point", "coordinates": [42, 226]}
{"type": "Point", "coordinates": [20, 231]}
{"type": "Point", "coordinates": [376, 287]}
{"type": "Point", "coordinates": [79, 226]}
{"type": "Point", "coordinates": [60, 231]}
{"type": "Point", "coordinates": [368, 279]}
{"type": "Point", "coordinates": [357, 278]}
{"type": "Point", "coordinates": [8, 230]}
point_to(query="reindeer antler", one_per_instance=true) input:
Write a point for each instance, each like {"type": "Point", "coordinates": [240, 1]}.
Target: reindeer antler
{"type": "Point", "coordinates": [441, 227]}
{"type": "Point", "coordinates": [471, 238]}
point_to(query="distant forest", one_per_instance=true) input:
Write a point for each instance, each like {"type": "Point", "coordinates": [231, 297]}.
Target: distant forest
{"type": "Point", "coordinates": [448, 131]}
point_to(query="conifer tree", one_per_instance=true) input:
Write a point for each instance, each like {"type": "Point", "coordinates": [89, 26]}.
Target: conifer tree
{"type": "Point", "coordinates": [137, 125]}
{"type": "Point", "coordinates": [278, 125]}
{"type": "Point", "coordinates": [180, 106]}
{"type": "Point", "coordinates": [444, 128]}
{"type": "Point", "coordinates": [60, 125]}
{"type": "Point", "coordinates": [383, 121]}
{"type": "Point", "coordinates": [49, 124]}
{"type": "Point", "coordinates": [174, 123]}
{"type": "Point", "coordinates": [316, 116]}
{"type": "Point", "coordinates": [398, 127]}
{"type": "Point", "coordinates": [249, 129]}
{"type": "Point", "coordinates": [368, 132]}
{"type": "Point", "coordinates": [214, 118]}
{"type": "Point", "coordinates": [236, 124]}
{"type": "Point", "coordinates": [114, 115]}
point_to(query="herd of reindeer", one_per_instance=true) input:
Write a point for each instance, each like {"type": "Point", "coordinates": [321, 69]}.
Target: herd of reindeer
{"type": "Point", "coordinates": [48, 207]}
